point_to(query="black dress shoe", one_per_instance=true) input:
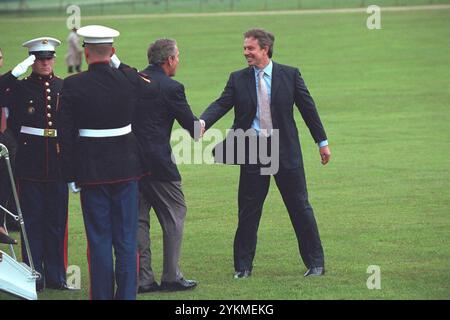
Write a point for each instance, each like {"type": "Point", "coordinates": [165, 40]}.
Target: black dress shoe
{"type": "Point", "coordinates": [179, 285]}
{"type": "Point", "coordinates": [315, 271]}
{"type": "Point", "coordinates": [62, 286]}
{"type": "Point", "coordinates": [153, 287]}
{"type": "Point", "coordinates": [4, 238]}
{"type": "Point", "coordinates": [242, 274]}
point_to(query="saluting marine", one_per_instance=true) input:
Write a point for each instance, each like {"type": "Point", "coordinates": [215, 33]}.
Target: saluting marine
{"type": "Point", "coordinates": [42, 192]}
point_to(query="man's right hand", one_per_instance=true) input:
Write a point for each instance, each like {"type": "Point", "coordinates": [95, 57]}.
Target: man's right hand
{"type": "Point", "coordinates": [203, 129]}
{"type": "Point", "coordinates": [22, 67]}
{"type": "Point", "coordinates": [114, 62]}
{"type": "Point", "coordinates": [199, 129]}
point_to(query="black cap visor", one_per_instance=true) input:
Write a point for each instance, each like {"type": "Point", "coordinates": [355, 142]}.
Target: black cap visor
{"type": "Point", "coordinates": [43, 55]}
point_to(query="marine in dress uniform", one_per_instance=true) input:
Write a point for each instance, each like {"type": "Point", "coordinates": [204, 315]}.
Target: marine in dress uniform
{"type": "Point", "coordinates": [100, 154]}
{"type": "Point", "coordinates": [43, 194]}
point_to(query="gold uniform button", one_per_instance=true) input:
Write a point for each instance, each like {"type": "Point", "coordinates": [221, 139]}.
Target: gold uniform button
{"type": "Point", "coordinates": [49, 115]}
{"type": "Point", "coordinates": [47, 84]}
{"type": "Point", "coordinates": [50, 123]}
{"type": "Point", "coordinates": [49, 98]}
{"type": "Point", "coordinates": [48, 90]}
{"type": "Point", "coordinates": [49, 107]}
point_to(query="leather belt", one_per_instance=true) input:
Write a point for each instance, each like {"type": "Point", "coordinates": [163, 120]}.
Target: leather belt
{"type": "Point", "coordinates": [52, 133]}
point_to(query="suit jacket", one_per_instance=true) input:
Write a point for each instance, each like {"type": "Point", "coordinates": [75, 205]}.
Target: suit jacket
{"type": "Point", "coordinates": [153, 124]}
{"type": "Point", "coordinates": [32, 102]}
{"type": "Point", "coordinates": [288, 88]}
{"type": "Point", "coordinates": [101, 98]}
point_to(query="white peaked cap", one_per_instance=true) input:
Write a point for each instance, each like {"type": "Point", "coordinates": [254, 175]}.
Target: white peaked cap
{"type": "Point", "coordinates": [97, 34]}
{"type": "Point", "coordinates": [42, 44]}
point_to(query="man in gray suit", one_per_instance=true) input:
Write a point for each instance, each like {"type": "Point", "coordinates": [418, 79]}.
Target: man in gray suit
{"type": "Point", "coordinates": [162, 189]}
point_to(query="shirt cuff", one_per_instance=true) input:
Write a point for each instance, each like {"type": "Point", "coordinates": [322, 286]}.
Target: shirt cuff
{"type": "Point", "coordinates": [323, 143]}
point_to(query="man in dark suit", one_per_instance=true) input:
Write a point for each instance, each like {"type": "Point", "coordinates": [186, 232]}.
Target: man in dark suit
{"type": "Point", "coordinates": [100, 153]}
{"type": "Point", "coordinates": [43, 194]}
{"type": "Point", "coordinates": [161, 190]}
{"type": "Point", "coordinates": [263, 96]}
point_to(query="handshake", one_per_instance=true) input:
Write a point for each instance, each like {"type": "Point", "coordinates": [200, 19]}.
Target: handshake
{"type": "Point", "coordinates": [199, 127]}
{"type": "Point", "coordinates": [203, 129]}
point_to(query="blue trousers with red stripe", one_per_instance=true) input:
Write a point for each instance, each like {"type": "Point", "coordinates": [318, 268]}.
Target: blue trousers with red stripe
{"type": "Point", "coordinates": [110, 213]}
{"type": "Point", "coordinates": [44, 208]}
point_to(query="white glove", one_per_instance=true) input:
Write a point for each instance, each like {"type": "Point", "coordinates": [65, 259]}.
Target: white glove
{"type": "Point", "coordinates": [115, 62]}
{"type": "Point", "coordinates": [22, 67]}
{"type": "Point", "coordinates": [73, 187]}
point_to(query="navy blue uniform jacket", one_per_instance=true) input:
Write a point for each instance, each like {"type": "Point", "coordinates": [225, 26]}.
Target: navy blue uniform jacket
{"type": "Point", "coordinates": [32, 102]}
{"type": "Point", "coordinates": [101, 98]}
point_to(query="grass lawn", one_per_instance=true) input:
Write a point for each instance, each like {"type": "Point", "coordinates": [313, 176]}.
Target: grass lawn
{"type": "Point", "coordinates": [384, 199]}
{"type": "Point", "coordinates": [121, 7]}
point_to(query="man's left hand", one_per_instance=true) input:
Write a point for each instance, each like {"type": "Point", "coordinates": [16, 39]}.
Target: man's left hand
{"type": "Point", "coordinates": [325, 154]}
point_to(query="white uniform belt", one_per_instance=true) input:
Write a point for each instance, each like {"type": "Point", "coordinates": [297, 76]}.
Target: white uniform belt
{"type": "Point", "coordinates": [39, 131]}
{"type": "Point", "coordinates": [105, 133]}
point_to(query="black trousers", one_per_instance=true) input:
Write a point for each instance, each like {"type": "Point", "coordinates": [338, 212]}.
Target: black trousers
{"type": "Point", "coordinates": [45, 207]}
{"type": "Point", "coordinates": [253, 188]}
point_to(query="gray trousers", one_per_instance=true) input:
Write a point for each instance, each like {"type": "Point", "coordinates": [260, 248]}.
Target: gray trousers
{"type": "Point", "coordinates": [167, 200]}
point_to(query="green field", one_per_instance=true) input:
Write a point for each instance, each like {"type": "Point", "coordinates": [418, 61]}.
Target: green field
{"type": "Point", "coordinates": [101, 7]}
{"type": "Point", "coordinates": [384, 199]}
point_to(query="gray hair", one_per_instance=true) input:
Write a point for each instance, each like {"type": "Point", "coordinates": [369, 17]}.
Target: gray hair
{"type": "Point", "coordinates": [160, 50]}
